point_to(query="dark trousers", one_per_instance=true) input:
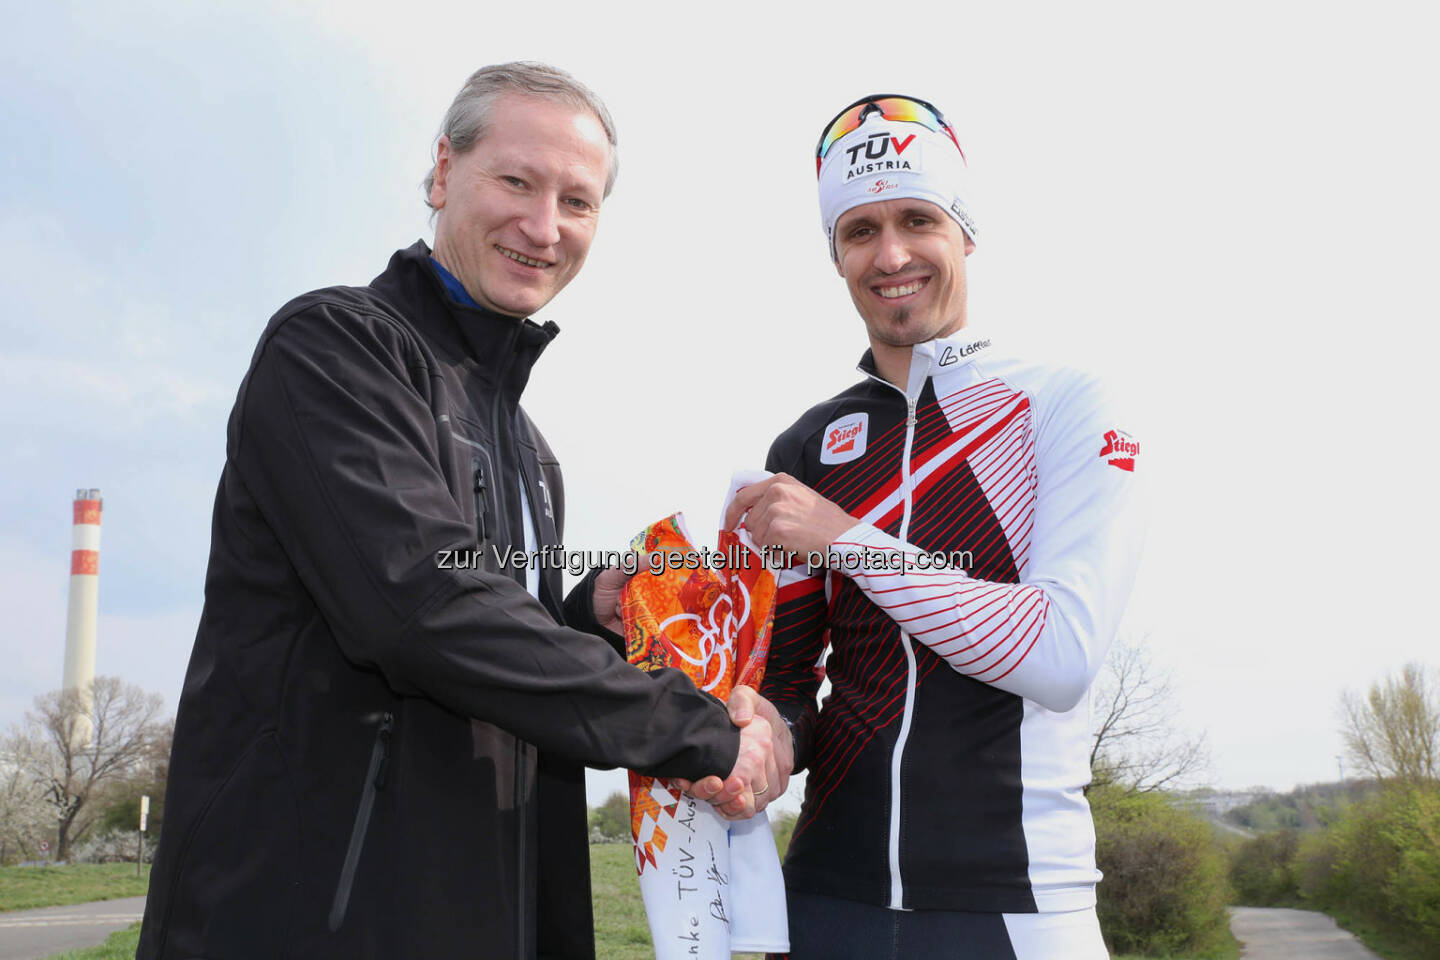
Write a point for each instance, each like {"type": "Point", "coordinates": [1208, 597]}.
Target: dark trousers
{"type": "Point", "coordinates": [827, 928]}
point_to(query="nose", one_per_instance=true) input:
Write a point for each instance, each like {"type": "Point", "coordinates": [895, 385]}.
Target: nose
{"type": "Point", "coordinates": [540, 222]}
{"type": "Point", "coordinates": [892, 255]}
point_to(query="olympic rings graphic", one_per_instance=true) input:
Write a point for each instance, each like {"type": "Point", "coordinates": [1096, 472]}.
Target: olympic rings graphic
{"type": "Point", "coordinates": [718, 634]}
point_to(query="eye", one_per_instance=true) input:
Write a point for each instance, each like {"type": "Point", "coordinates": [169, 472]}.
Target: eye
{"type": "Point", "coordinates": [856, 233]}
{"type": "Point", "coordinates": [578, 204]}
{"type": "Point", "coordinates": [512, 181]}
{"type": "Point", "coordinates": [920, 220]}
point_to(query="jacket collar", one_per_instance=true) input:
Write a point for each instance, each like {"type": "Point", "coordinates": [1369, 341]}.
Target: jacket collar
{"type": "Point", "coordinates": [935, 358]}
{"type": "Point", "coordinates": [502, 349]}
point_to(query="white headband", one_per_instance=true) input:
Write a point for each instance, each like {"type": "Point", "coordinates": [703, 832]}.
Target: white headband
{"type": "Point", "coordinates": [887, 159]}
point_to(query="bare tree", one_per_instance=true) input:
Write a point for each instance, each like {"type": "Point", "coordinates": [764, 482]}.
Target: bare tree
{"type": "Point", "coordinates": [70, 766]}
{"type": "Point", "coordinates": [1394, 731]}
{"type": "Point", "coordinates": [1136, 744]}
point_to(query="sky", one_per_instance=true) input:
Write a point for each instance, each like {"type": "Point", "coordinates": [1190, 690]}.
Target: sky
{"type": "Point", "coordinates": [1227, 211]}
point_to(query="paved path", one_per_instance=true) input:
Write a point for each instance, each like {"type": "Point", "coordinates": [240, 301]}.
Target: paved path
{"type": "Point", "coordinates": [32, 934]}
{"type": "Point", "coordinates": [1273, 933]}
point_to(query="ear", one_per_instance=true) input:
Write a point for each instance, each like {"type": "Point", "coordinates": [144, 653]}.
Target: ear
{"type": "Point", "coordinates": [969, 245]}
{"type": "Point", "coordinates": [443, 159]}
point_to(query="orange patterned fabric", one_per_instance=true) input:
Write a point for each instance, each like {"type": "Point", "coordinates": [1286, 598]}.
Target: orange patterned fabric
{"type": "Point", "coordinates": [712, 623]}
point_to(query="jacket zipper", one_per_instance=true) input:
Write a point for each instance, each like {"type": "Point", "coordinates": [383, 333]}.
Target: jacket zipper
{"type": "Point", "coordinates": [897, 754]}
{"type": "Point", "coordinates": [482, 505]}
{"type": "Point", "coordinates": [374, 780]}
{"type": "Point", "coordinates": [897, 887]}
{"type": "Point", "coordinates": [521, 940]}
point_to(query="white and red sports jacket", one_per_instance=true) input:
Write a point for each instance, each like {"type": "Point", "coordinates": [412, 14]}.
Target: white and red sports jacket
{"type": "Point", "coordinates": [948, 762]}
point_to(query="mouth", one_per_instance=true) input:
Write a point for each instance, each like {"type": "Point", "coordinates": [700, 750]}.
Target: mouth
{"type": "Point", "coordinates": [898, 291]}
{"type": "Point", "coordinates": [521, 258]}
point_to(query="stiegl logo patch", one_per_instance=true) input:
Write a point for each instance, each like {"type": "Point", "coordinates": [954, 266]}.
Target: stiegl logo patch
{"type": "Point", "coordinates": [844, 439]}
{"type": "Point", "coordinates": [1120, 450]}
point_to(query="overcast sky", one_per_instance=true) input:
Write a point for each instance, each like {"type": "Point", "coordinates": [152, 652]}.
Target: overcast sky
{"type": "Point", "coordinates": [1228, 210]}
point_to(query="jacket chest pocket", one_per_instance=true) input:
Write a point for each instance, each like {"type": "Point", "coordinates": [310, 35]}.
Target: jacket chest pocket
{"type": "Point", "coordinates": [483, 476]}
{"type": "Point", "coordinates": [484, 498]}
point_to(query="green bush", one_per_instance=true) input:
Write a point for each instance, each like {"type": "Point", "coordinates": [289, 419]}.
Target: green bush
{"type": "Point", "coordinates": [1316, 867]}
{"type": "Point", "coordinates": [1415, 882]}
{"type": "Point", "coordinates": [782, 824]}
{"type": "Point", "coordinates": [1380, 862]}
{"type": "Point", "coordinates": [1165, 889]}
{"type": "Point", "coordinates": [612, 818]}
{"type": "Point", "coordinates": [1264, 872]}
{"type": "Point", "coordinates": [122, 808]}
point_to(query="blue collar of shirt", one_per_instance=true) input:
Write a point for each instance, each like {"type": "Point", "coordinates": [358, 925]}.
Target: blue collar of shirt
{"type": "Point", "coordinates": [454, 287]}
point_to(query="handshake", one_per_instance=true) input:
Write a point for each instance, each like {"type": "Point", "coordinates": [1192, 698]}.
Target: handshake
{"type": "Point", "coordinates": [767, 752]}
{"type": "Point", "coordinates": [787, 516]}
{"type": "Point", "coordinates": [762, 770]}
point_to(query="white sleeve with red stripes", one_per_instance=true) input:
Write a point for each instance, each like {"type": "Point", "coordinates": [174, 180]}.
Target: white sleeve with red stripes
{"type": "Point", "coordinates": [1043, 638]}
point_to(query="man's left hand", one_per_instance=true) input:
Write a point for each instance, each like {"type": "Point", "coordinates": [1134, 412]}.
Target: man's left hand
{"type": "Point", "coordinates": [782, 512]}
{"type": "Point", "coordinates": [605, 601]}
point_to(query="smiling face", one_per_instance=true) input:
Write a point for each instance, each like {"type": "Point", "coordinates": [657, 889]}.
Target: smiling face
{"type": "Point", "coordinates": [904, 263]}
{"type": "Point", "coordinates": [517, 212]}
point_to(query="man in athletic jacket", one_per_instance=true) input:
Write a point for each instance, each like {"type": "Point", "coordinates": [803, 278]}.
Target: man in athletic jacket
{"type": "Point", "coordinates": [966, 529]}
{"type": "Point", "coordinates": [379, 745]}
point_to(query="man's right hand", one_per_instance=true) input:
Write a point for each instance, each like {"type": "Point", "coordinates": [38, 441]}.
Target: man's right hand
{"type": "Point", "coordinates": [764, 763]}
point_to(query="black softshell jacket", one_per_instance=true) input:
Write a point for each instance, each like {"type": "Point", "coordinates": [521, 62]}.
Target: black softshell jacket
{"type": "Point", "coordinates": [378, 751]}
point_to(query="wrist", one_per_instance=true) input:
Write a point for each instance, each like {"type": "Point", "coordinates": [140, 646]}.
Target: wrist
{"type": "Point", "coordinates": [836, 526]}
{"type": "Point", "coordinates": [854, 540]}
{"type": "Point", "coordinates": [790, 732]}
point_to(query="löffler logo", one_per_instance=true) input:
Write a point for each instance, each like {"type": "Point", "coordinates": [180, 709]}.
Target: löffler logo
{"type": "Point", "coordinates": [1120, 450]}
{"type": "Point", "coordinates": [844, 439]}
{"type": "Point", "coordinates": [950, 355]}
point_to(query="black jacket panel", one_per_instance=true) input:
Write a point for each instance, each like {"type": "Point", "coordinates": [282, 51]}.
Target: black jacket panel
{"type": "Point", "coordinates": [379, 742]}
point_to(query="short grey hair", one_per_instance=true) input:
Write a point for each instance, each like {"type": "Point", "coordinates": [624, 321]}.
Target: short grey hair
{"type": "Point", "coordinates": [465, 121]}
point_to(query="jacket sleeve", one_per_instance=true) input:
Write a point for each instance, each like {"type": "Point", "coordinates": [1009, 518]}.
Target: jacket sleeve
{"type": "Point", "coordinates": [335, 441]}
{"type": "Point", "coordinates": [795, 667]}
{"type": "Point", "coordinates": [1043, 638]}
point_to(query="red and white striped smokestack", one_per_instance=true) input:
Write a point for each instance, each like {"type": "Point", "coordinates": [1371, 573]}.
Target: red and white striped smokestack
{"type": "Point", "coordinates": [84, 599]}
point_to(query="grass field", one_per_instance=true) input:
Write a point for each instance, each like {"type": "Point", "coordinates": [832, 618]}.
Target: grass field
{"type": "Point", "coordinates": [621, 930]}
{"type": "Point", "coordinates": [22, 888]}
{"type": "Point", "coordinates": [118, 946]}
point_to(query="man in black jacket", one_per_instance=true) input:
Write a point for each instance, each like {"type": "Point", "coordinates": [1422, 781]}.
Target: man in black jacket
{"type": "Point", "coordinates": [380, 742]}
